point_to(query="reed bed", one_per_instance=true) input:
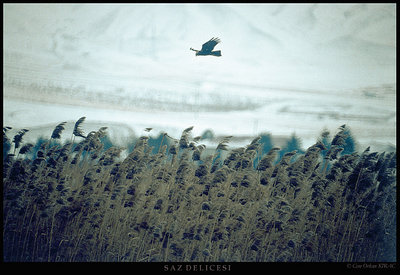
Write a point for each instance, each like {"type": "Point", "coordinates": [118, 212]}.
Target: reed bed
{"type": "Point", "coordinates": [80, 202]}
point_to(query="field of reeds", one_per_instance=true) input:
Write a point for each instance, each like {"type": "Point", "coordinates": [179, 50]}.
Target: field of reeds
{"type": "Point", "coordinates": [80, 202]}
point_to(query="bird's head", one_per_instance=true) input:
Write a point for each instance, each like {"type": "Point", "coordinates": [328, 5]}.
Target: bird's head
{"type": "Point", "coordinates": [195, 51]}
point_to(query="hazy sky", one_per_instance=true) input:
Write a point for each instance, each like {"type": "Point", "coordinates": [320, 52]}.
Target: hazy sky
{"type": "Point", "coordinates": [299, 43]}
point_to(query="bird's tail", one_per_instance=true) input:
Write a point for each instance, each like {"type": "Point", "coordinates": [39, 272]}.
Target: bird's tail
{"type": "Point", "coordinates": [216, 53]}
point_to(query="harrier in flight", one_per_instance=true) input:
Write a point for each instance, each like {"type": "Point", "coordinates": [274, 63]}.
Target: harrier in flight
{"type": "Point", "coordinates": [207, 48]}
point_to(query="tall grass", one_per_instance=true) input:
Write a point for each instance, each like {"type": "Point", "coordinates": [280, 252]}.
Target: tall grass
{"type": "Point", "coordinates": [84, 203]}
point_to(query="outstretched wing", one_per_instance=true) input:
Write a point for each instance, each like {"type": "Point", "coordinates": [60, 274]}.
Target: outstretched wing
{"type": "Point", "coordinates": [209, 45]}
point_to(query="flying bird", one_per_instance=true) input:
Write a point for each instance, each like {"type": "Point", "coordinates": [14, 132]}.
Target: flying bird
{"type": "Point", "coordinates": [207, 48]}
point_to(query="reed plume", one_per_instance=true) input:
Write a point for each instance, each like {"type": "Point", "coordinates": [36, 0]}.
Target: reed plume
{"type": "Point", "coordinates": [58, 130]}
{"type": "Point", "coordinates": [78, 132]}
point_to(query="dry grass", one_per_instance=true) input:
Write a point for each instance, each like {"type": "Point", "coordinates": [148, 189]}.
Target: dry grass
{"type": "Point", "coordinates": [83, 203]}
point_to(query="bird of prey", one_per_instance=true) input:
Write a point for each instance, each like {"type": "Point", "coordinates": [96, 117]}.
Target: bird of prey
{"type": "Point", "coordinates": [207, 48]}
